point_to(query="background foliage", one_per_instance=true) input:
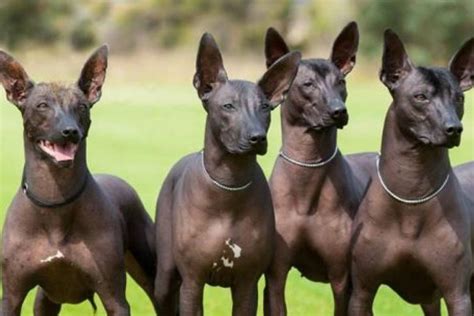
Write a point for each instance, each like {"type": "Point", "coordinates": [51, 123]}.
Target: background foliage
{"type": "Point", "coordinates": [238, 25]}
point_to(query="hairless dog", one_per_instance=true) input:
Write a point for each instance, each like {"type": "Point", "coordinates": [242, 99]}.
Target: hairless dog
{"type": "Point", "coordinates": [215, 221]}
{"type": "Point", "coordinates": [413, 230]}
{"type": "Point", "coordinates": [315, 189]}
{"type": "Point", "coordinates": [69, 232]}
{"type": "Point", "coordinates": [465, 175]}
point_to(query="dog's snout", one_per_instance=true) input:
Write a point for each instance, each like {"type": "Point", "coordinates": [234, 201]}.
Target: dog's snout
{"type": "Point", "coordinates": [338, 111]}
{"type": "Point", "coordinates": [71, 133]}
{"type": "Point", "coordinates": [453, 129]}
{"type": "Point", "coordinates": [257, 138]}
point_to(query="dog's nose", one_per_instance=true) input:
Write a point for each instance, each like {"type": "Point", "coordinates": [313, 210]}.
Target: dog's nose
{"type": "Point", "coordinates": [453, 129]}
{"type": "Point", "coordinates": [338, 111]}
{"type": "Point", "coordinates": [257, 138]}
{"type": "Point", "coordinates": [70, 132]}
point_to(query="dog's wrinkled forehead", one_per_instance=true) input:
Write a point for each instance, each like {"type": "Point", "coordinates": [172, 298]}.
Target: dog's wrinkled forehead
{"type": "Point", "coordinates": [241, 91]}
{"type": "Point", "coordinates": [56, 94]}
{"type": "Point", "coordinates": [318, 68]}
{"type": "Point", "coordinates": [440, 80]}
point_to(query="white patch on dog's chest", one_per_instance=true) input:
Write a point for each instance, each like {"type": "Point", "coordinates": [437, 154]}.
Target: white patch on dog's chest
{"type": "Point", "coordinates": [234, 247]}
{"type": "Point", "coordinates": [227, 260]}
{"type": "Point", "coordinates": [58, 255]}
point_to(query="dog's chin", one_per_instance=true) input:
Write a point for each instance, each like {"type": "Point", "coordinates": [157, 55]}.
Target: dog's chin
{"type": "Point", "coordinates": [450, 142]}
{"type": "Point", "coordinates": [341, 123]}
{"type": "Point", "coordinates": [61, 154]}
{"type": "Point", "coordinates": [446, 142]}
{"type": "Point", "coordinates": [258, 149]}
{"type": "Point", "coordinates": [319, 128]}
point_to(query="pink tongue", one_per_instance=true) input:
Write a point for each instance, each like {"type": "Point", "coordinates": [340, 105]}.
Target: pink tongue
{"type": "Point", "coordinates": [62, 152]}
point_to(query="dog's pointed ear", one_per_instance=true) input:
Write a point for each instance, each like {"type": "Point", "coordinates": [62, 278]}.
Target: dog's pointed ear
{"type": "Point", "coordinates": [275, 47]}
{"type": "Point", "coordinates": [395, 62]}
{"type": "Point", "coordinates": [14, 79]}
{"type": "Point", "coordinates": [462, 65]}
{"type": "Point", "coordinates": [93, 74]}
{"type": "Point", "coordinates": [277, 80]}
{"type": "Point", "coordinates": [344, 49]}
{"type": "Point", "coordinates": [209, 67]}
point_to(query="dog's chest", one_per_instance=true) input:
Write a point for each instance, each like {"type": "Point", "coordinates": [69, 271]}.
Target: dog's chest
{"type": "Point", "coordinates": [227, 260]}
{"type": "Point", "coordinates": [63, 278]}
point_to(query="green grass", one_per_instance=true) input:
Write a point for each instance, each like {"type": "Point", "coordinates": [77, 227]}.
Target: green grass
{"type": "Point", "coordinates": [140, 130]}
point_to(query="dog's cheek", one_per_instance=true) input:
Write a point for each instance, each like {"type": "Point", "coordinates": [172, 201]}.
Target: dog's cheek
{"type": "Point", "coordinates": [35, 125]}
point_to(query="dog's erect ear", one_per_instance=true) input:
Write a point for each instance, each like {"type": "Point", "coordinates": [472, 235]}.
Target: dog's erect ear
{"type": "Point", "coordinates": [395, 62]}
{"type": "Point", "coordinates": [209, 67]}
{"type": "Point", "coordinates": [344, 49]}
{"type": "Point", "coordinates": [93, 74]}
{"type": "Point", "coordinates": [275, 47]}
{"type": "Point", "coordinates": [14, 79]}
{"type": "Point", "coordinates": [276, 82]}
{"type": "Point", "coordinates": [462, 65]}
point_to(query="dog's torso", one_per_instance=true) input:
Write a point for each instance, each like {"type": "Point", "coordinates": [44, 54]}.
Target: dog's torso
{"type": "Point", "coordinates": [419, 250]}
{"type": "Point", "coordinates": [61, 252]}
{"type": "Point", "coordinates": [314, 213]}
{"type": "Point", "coordinates": [465, 175]}
{"type": "Point", "coordinates": [218, 236]}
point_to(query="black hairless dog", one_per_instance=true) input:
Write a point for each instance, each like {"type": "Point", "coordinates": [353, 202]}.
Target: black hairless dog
{"type": "Point", "coordinates": [315, 189]}
{"type": "Point", "coordinates": [413, 230]}
{"type": "Point", "coordinates": [68, 231]}
{"type": "Point", "coordinates": [215, 221]}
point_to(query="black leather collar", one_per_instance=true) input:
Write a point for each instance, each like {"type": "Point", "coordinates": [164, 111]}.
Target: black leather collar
{"type": "Point", "coordinates": [38, 202]}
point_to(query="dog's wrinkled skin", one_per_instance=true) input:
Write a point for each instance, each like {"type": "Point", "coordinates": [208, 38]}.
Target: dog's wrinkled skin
{"type": "Point", "coordinates": [314, 207]}
{"type": "Point", "coordinates": [206, 234]}
{"type": "Point", "coordinates": [422, 251]}
{"type": "Point", "coordinates": [81, 248]}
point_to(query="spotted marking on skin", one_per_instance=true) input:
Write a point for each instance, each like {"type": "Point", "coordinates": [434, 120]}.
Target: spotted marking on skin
{"type": "Point", "coordinates": [58, 255]}
{"type": "Point", "coordinates": [234, 247]}
{"type": "Point", "coordinates": [227, 262]}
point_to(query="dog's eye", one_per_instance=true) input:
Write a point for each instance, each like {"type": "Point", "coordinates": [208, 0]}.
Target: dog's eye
{"type": "Point", "coordinates": [341, 82]}
{"type": "Point", "coordinates": [42, 106]}
{"type": "Point", "coordinates": [83, 107]}
{"type": "Point", "coordinates": [308, 83]}
{"type": "Point", "coordinates": [266, 106]}
{"type": "Point", "coordinates": [460, 99]}
{"type": "Point", "coordinates": [228, 106]}
{"type": "Point", "coordinates": [421, 97]}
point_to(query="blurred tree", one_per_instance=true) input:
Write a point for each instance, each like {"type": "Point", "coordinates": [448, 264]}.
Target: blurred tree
{"type": "Point", "coordinates": [237, 25]}
{"type": "Point", "coordinates": [431, 30]}
{"type": "Point", "coordinates": [32, 20]}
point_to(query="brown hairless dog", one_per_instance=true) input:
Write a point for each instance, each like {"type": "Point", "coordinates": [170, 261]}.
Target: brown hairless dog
{"type": "Point", "coordinates": [315, 189]}
{"type": "Point", "coordinates": [69, 232]}
{"type": "Point", "coordinates": [215, 221]}
{"type": "Point", "coordinates": [413, 230]}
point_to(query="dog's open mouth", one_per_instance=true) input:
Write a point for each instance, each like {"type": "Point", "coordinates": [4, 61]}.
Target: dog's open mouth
{"type": "Point", "coordinates": [60, 152]}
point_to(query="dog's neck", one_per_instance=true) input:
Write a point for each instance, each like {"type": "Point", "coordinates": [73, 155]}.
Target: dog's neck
{"type": "Point", "coordinates": [304, 146]}
{"type": "Point", "coordinates": [52, 183]}
{"type": "Point", "coordinates": [408, 168]}
{"type": "Point", "coordinates": [224, 167]}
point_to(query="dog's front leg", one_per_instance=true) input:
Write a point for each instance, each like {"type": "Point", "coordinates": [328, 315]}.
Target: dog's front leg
{"type": "Point", "coordinates": [15, 290]}
{"type": "Point", "coordinates": [361, 301]}
{"type": "Point", "coordinates": [11, 303]}
{"type": "Point", "coordinates": [432, 309]}
{"type": "Point", "coordinates": [190, 297]}
{"type": "Point", "coordinates": [340, 291]}
{"type": "Point", "coordinates": [459, 305]}
{"type": "Point", "coordinates": [44, 306]}
{"type": "Point", "coordinates": [113, 298]}
{"type": "Point", "coordinates": [274, 293]}
{"type": "Point", "coordinates": [245, 298]}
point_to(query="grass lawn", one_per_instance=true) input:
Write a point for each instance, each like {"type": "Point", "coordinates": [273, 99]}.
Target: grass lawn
{"type": "Point", "coordinates": [140, 129]}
